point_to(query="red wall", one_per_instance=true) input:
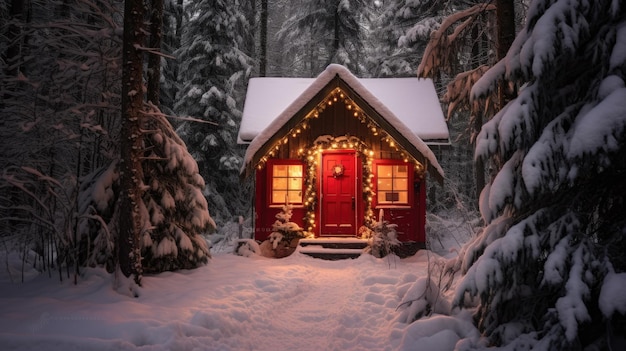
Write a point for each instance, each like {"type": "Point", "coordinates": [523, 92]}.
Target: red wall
{"type": "Point", "coordinates": [410, 221]}
{"type": "Point", "coordinates": [265, 216]}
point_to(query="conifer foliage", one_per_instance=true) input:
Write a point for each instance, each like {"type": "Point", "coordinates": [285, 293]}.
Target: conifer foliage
{"type": "Point", "coordinates": [173, 210]}
{"type": "Point", "coordinates": [212, 69]}
{"type": "Point", "coordinates": [177, 211]}
{"type": "Point", "coordinates": [68, 160]}
{"type": "Point", "coordinates": [322, 32]}
{"type": "Point", "coordinates": [547, 268]}
{"type": "Point", "coordinates": [399, 33]}
{"type": "Point", "coordinates": [59, 108]}
{"type": "Point", "coordinates": [285, 233]}
{"type": "Point", "coordinates": [382, 237]}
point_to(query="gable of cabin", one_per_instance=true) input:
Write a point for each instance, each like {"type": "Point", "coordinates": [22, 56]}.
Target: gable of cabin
{"type": "Point", "coordinates": [338, 111]}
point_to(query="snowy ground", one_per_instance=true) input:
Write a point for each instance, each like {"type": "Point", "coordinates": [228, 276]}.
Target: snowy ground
{"type": "Point", "coordinates": [233, 303]}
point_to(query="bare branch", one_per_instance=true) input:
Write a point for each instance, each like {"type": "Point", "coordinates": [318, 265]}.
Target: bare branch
{"type": "Point", "coordinates": [439, 52]}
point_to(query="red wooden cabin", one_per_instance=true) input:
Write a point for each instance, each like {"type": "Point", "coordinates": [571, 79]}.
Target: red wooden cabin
{"type": "Point", "coordinates": [339, 149]}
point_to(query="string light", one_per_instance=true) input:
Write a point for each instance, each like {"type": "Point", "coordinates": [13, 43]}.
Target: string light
{"type": "Point", "coordinates": [313, 155]}
{"type": "Point", "coordinates": [310, 155]}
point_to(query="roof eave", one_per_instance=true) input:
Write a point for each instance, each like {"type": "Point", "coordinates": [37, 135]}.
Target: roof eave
{"type": "Point", "coordinates": [333, 81]}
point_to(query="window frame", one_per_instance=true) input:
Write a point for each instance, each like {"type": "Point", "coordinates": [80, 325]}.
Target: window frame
{"type": "Point", "coordinates": [409, 184]}
{"type": "Point", "coordinates": [270, 181]}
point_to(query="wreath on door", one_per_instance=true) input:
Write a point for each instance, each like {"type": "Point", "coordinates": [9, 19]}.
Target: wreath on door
{"type": "Point", "coordinates": [338, 170]}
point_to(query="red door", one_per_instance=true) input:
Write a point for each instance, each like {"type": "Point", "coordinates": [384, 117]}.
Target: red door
{"type": "Point", "coordinates": [338, 193]}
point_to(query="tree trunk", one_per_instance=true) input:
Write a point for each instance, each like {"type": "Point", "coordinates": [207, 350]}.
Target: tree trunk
{"type": "Point", "coordinates": [154, 60]}
{"type": "Point", "coordinates": [263, 40]}
{"type": "Point", "coordinates": [13, 38]}
{"type": "Point", "coordinates": [131, 174]}
{"type": "Point", "coordinates": [12, 52]}
{"type": "Point", "coordinates": [505, 22]}
{"type": "Point", "coordinates": [477, 119]}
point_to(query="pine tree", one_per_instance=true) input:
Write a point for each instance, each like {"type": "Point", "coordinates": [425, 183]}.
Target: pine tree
{"type": "Point", "coordinates": [321, 32]}
{"type": "Point", "coordinates": [212, 69]}
{"type": "Point", "coordinates": [61, 180]}
{"type": "Point", "coordinates": [549, 266]}
{"type": "Point", "coordinates": [284, 236]}
{"type": "Point", "coordinates": [155, 43]}
{"type": "Point", "coordinates": [172, 23]}
{"type": "Point", "coordinates": [173, 210]}
{"type": "Point", "coordinates": [382, 237]}
{"type": "Point", "coordinates": [176, 211]}
{"type": "Point", "coordinates": [399, 33]}
{"type": "Point", "coordinates": [277, 64]}
{"type": "Point", "coordinates": [283, 228]}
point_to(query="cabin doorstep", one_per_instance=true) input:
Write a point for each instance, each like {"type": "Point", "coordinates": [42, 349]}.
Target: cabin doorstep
{"type": "Point", "coordinates": [339, 149]}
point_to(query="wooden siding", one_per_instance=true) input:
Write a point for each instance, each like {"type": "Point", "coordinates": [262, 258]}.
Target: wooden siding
{"type": "Point", "coordinates": [336, 120]}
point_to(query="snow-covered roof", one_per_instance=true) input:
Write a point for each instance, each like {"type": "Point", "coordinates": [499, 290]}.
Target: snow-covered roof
{"type": "Point", "coordinates": [410, 105]}
{"type": "Point", "coordinates": [413, 101]}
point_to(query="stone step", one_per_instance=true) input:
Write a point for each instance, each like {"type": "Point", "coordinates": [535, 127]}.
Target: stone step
{"type": "Point", "coordinates": [335, 242]}
{"type": "Point", "coordinates": [332, 248]}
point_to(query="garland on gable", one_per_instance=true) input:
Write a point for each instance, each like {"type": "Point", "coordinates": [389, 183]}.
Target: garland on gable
{"type": "Point", "coordinates": [311, 157]}
{"type": "Point", "coordinates": [337, 95]}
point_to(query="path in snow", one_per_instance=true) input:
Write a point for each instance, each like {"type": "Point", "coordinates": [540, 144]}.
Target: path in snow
{"type": "Point", "coordinates": [233, 303]}
{"type": "Point", "coordinates": [325, 310]}
{"type": "Point", "coordinates": [302, 303]}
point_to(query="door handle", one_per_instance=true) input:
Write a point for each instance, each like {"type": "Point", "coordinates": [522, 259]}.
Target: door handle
{"type": "Point", "coordinates": [353, 203]}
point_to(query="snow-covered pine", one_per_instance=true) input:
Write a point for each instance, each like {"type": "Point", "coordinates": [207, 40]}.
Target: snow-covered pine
{"type": "Point", "coordinates": [284, 231]}
{"type": "Point", "coordinates": [422, 298]}
{"type": "Point", "coordinates": [97, 203]}
{"type": "Point", "coordinates": [176, 223]}
{"type": "Point", "coordinates": [174, 211]}
{"type": "Point", "coordinates": [399, 32]}
{"type": "Point", "coordinates": [382, 237]}
{"type": "Point", "coordinates": [336, 28]}
{"type": "Point", "coordinates": [554, 239]}
{"type": "Point", "coordinates": [212, 67]}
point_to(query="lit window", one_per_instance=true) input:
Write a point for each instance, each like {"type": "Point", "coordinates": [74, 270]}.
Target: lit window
{"type": "Point", "coordinates": [286, 184]}
{"type": "Point", "coordinates": [393, 184]}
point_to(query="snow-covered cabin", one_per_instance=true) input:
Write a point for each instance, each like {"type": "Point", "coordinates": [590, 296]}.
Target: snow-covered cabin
{"type": "Point", "coordinates": [339, 149]}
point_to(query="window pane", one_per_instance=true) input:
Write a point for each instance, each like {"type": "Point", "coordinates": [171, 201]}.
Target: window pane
{"type": "Point", "coordinates": [385, 184]}
{"type": "Point", "coordinates": [400, 171]}
{"type": "Point", "coordinates": [400, 184]}
{"type": "Point", "coordinates": [295, 197]}
{"type": "Point", "coordinates": [279, 183]}
{"type": "Point", "coordinates": [295, 171]}
{"type": "Point", "coordinates": [295, 184]}
{"type": "Point", "coordinates": [382, 197]}
{"type": "Point", "coordinates": [385, 171]}
{"type": "Point", "coordinates": [279, 196]}
{"type": "Point", "coordinates": [403, 197]}
{"type": "Point", "coordinates": [281, 171]}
